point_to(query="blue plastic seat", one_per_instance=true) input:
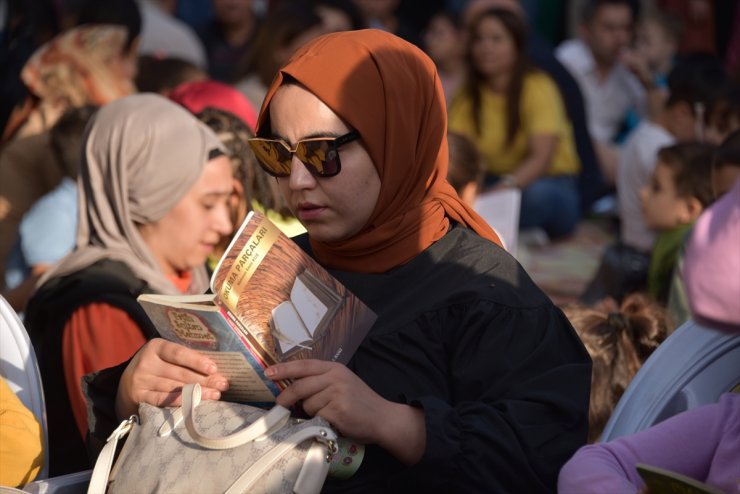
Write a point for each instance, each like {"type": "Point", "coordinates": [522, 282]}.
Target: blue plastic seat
{"type": "Point", "coordinates": [692, 367]}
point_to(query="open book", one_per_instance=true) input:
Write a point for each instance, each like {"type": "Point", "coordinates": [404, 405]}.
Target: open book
{"type": "Point", "coordinates": [272, 303]}
{"type": "Point", "coordinates": [662, 481]}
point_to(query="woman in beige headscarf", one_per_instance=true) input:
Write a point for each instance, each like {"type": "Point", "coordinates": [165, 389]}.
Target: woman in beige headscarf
{"type": "Point", "coordinates": [153, 195]}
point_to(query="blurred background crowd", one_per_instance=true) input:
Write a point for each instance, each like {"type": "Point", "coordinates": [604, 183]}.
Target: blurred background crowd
{"type": "Point", "coordinates": [624, 112]}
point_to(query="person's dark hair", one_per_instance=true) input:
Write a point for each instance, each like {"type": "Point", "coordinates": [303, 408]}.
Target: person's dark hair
{"type": "Point", "coordinates": [696, 79]}
{"type": "Point", "coordinates": [619, 343]}
{"type": "Point", "coordinates": [119, 12]}
{"type": "Point", "coordinates": [348, 7]}
{"type": "Point", "coordinates": [281, 26]}
{"type": "Point", "coordinates": [66, 138]}
{"type": "Point", "coordinates": [233, 133]}
{"type": "Point", "coordinates": [160, 75]}
{"type": "Point", "coordinates": [724, 110]}
{"type": "Point", "coordinates": [591, 7]}
{"type": "Point", "coordinates": [728, 153]}
{"type": "Point", "coordinates": [454, 18]}
{"type": "Point", "coordinates": [465, 162]}
{"type": "Point", "coordinates": [691, 164]}
{"type": "Point", "coordinates": [517, 28]}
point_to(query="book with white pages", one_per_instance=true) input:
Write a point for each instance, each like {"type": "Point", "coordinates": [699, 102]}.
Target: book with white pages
{"type": "Point", "coordinates": [271, 302]}
{"type": "Point", "coordinates": [500, 208]}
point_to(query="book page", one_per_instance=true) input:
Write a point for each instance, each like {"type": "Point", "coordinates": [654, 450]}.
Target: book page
{"type": "Point", "coordinates": [206, 329]}
{"type": "Point", "coordinates": [245, 385]}
{"type": "Point", "coordinates": [288, 328]}
{"type": "Point", "coordinates": [308, 306]}
{"type": "Point", "coordinates": [500, 208]}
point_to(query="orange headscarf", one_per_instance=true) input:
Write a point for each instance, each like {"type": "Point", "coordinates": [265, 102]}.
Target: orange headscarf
{"type": "Point", "coordinates": [388, 90]}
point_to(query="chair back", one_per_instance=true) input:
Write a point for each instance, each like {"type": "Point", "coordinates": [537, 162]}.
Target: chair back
{"type": "Point", "coordinates": [692, 367]}
{"type": "Point", "coordinates": [20, 369]}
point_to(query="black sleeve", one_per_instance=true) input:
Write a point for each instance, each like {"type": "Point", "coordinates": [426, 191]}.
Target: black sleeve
{"type": "Point", "coordinates": [520, 380]}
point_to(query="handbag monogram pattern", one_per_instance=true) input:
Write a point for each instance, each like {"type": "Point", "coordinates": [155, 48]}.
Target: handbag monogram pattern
{"type": "Point", "coordinates": [167, 450]}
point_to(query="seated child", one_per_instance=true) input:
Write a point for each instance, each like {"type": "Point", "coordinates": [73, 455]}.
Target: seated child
{"type": "Point", "coordinates": [725, 174]}
{"type": "Point", "coordinates": [624, 266]}
{"type": "Point", "coordinates": [466, 171]}
{"type": "Point", "coordinates": [679, 190]}
{"type": "Point", "coordinates": [618, 342]}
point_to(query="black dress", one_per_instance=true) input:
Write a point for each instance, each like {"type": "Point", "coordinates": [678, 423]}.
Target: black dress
{"type": "Point", "coordinates": [503, 379]}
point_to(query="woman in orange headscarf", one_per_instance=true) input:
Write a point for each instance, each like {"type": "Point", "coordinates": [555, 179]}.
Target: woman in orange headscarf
{"type": "Point", "coordinates": [470, 379]}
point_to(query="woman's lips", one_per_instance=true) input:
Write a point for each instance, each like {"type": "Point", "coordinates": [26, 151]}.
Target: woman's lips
{"type": "Point", "coordinates": [309, 211]}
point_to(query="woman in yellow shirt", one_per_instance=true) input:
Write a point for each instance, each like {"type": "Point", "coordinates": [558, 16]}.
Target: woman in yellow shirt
{"type": "Point", "coordinates": [516, 117]}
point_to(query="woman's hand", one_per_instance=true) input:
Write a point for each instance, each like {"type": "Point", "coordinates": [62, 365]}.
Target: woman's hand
{"type": "Point", "coordinates": [158, 372]}
{"type": "Point", "coordinates": [330, 390]}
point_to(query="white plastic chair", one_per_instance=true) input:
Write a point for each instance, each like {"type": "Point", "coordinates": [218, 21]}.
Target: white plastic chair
{"type": "Point", "coordinates": [692, 367]}
{"type": "Point", "coordinates": [500, 209]}
{"type": "Point", "coordinates": [20, 369]}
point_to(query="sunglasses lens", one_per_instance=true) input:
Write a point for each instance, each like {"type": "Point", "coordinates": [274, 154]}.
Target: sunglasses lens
{"type": "Point", "coordinates": [272, 156]}
{"type": "Point", "coordinates": [320, 156]}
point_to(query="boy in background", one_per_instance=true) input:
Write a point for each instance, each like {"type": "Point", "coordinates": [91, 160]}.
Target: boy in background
{"type": "Point", "coordinates": [692, 87]}
{"type": "Point", "coordinates": [678, 192]}
{"type": "Point", "coordinates": [624, 265]}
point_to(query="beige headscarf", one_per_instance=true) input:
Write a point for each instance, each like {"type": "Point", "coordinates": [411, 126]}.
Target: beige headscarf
{"type": "Point", "coordinates": [142, 153]}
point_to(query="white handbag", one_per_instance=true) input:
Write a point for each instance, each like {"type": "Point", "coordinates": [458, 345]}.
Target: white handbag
{"type": "Point", "coordinates": [168, 451]}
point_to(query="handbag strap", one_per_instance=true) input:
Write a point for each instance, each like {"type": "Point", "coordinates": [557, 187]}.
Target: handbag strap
{"type": "Point", "coordinates": [310, 478]}
{"type": "Point", "coordinates": [101, 472]}
{"type": "Point", "coordinates": [315, 466]}
{"type": "Point", "coordinates": [274, 419]}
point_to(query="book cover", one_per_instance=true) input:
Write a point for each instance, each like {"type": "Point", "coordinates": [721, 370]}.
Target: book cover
{"type": "Point", "coordinates": [662, 481]}
{"type": "Point", "coordinates": [271, 302]}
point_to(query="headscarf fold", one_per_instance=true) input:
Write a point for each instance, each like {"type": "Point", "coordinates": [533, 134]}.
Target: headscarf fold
{"type": "Point", "coordinates": [72, 70]}
{"type": "Point", "coordinates": [141, 155]}
{"type": "Point", "coordinates": [389, 91]}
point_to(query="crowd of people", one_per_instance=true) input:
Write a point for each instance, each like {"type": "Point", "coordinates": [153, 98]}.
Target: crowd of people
{"type": "Point", "coordinates": [127, 163]}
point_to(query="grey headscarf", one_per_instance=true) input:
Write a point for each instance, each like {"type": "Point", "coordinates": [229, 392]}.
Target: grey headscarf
{"type": "Point", "coordinates": [142, 153]}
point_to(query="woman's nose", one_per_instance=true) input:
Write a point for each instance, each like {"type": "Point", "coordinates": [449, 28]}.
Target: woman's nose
{"type": "Point", "coordinates": [300, 177]}
{"type": "Point", "coordinates": [223, 224]}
